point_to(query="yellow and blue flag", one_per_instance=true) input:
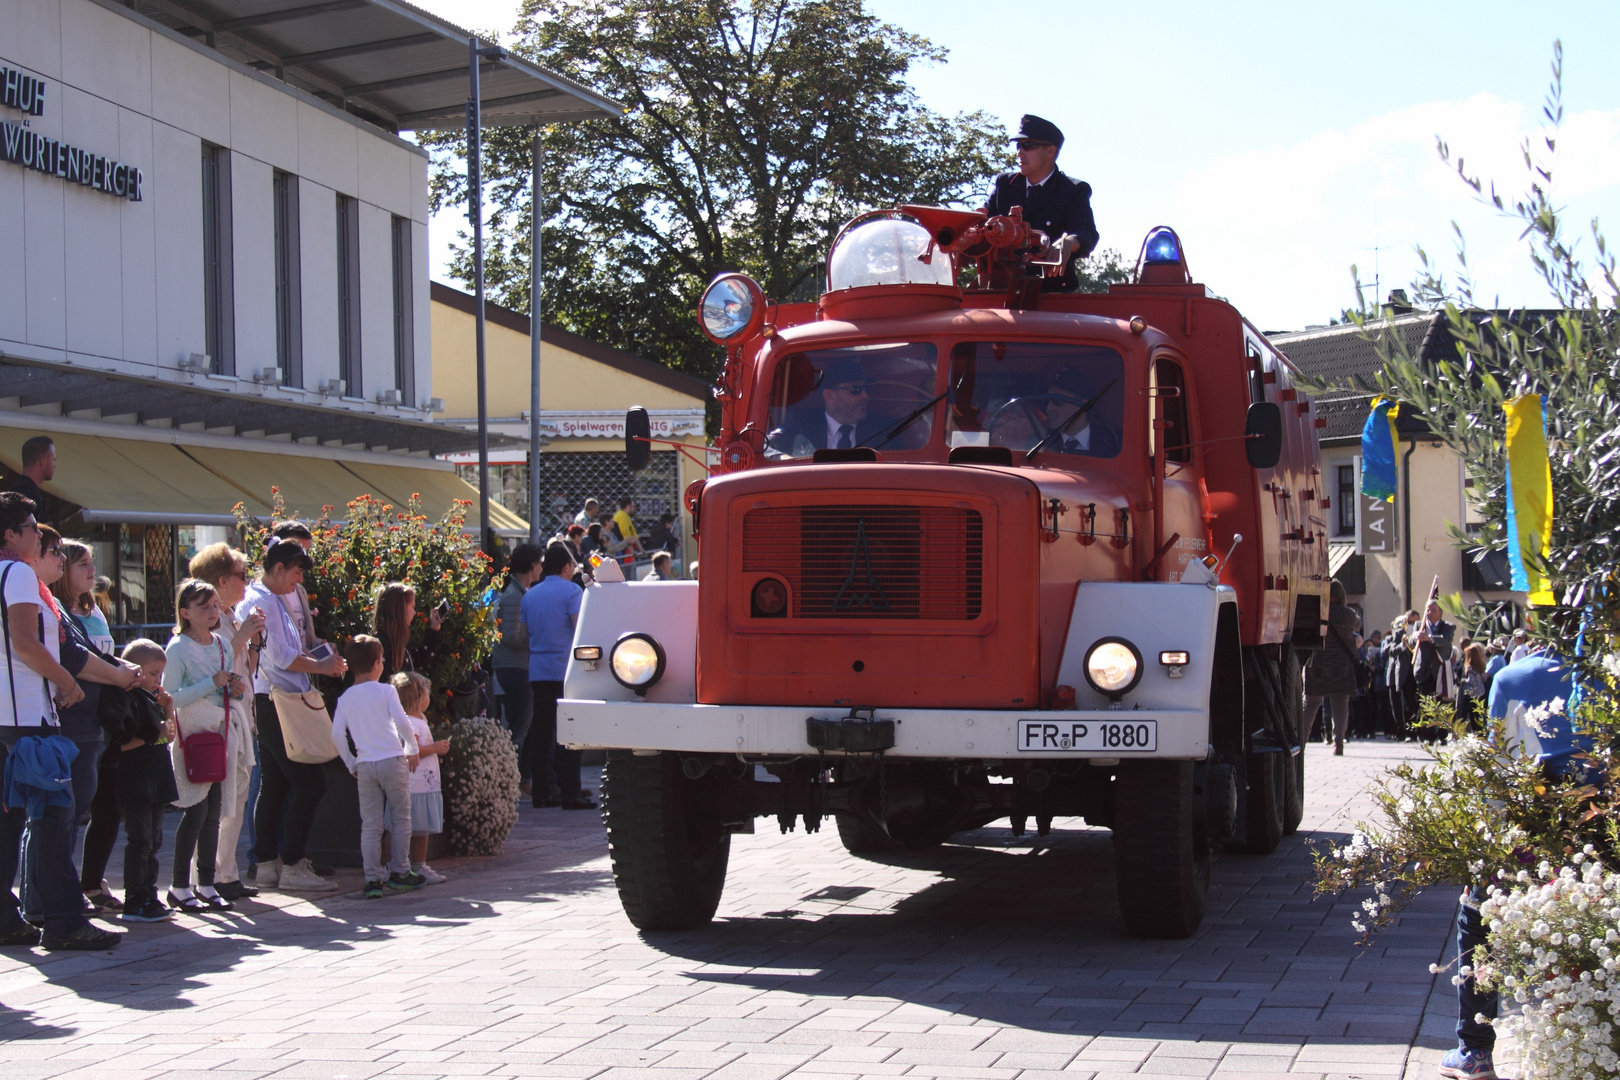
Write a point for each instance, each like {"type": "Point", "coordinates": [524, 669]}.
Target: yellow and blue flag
{"type": "Point", "coordinates": [1378, 451]}
{"type": "Point", "coordinates": [1529, 496]}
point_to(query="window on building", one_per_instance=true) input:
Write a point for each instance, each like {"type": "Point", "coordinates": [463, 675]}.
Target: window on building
{"type": "Point", "coordinates": [348, 268]}
{"type": "Point", "coordinates": [289, 299]}
{"type": "Point", "coordinates": [404, 324]}
{"type": "Point", "coordinates": [1346, 501]}
{"type": "Point", "coordinates": [219, 293]}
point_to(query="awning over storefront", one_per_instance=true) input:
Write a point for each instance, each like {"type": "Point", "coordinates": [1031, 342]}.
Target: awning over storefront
{"type": "Point", "coordinates": [136, 482]}
{"type": "Point", "coordinates": [159, 482]}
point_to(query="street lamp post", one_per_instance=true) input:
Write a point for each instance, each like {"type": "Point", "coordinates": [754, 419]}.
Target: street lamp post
{"type": "Point", "coordinates": [475, 211]}
{"type": "Point", "coordinates": [536, 217]}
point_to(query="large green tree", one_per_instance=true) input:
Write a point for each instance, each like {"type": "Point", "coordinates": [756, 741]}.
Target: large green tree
{"type": "Point", "coordinates": [752, 132]}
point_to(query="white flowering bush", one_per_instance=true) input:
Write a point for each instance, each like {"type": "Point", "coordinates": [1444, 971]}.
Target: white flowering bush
{"type": "Point", "coordinates": [480, 779]}
{"type": "Point", "coordinates": [1554, 947]}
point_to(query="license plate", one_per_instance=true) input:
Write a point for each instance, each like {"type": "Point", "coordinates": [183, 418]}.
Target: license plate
{"type": "Point", "coordinates": [1110, 736]}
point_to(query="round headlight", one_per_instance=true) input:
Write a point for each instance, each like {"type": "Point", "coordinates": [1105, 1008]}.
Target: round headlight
{"type": "Point", "coordinates": [637, 661]}
{"type": "Point", "coordinates": [769, 599]}
{"type": "Point", "coordinates": [733, 306]}
{"type": "Point", "coordinates": [1113, 666]}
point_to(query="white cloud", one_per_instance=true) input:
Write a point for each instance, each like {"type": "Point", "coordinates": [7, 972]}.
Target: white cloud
{"type": "Point", "coordinates": [1277, 229]}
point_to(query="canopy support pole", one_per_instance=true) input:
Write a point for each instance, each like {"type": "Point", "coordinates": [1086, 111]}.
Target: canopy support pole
{"type": "Point", "coordinates": [536, 217]}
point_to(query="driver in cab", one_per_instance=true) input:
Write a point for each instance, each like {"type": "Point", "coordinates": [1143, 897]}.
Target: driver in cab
{"type": "Point", "coordinates": [843, 421]}
{"type": "Point", "coordinates": [1023, 422]}
{"type": "Point", "coordinates": [1053, 203]}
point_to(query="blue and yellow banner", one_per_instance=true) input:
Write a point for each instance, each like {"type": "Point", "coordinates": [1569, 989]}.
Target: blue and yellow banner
{"type": "Point", "coordinates": [1378, 451]}
{"type": "Point", "coordinates": [1529, 496]}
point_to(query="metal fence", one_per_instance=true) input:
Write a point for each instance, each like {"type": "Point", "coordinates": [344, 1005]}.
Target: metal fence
{"type": "Point", "coordinates": [568, 479]}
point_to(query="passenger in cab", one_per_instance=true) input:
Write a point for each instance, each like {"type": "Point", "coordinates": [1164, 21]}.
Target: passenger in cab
{"type": "Point", "coordinates": [841, 423]}
{"type": "Point", "coordinates": [1053, 203]}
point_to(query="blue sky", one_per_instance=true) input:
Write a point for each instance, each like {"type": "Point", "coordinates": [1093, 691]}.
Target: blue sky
{"type": "Point", "coordinates": [1284, 142]}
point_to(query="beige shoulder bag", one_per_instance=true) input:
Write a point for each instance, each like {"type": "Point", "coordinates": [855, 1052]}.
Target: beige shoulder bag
{"type": "Point", "coordinates": [306, 728]}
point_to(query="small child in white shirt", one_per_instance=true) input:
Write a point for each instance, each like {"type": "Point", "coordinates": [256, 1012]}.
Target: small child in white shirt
{"type": "Point", "coordinates": [427, 800]}
{"type": "Point", "coordinates": [382, 760]}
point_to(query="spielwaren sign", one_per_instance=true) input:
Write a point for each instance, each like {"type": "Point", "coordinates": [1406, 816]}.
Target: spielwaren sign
{"type": "Point", "coordinates": [22, 146]}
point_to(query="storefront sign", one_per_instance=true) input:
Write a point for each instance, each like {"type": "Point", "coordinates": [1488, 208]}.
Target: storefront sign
{"type": "Point", "coordinates": [605, 425]}
{"type": "Point", "coordinates": [31, 150]}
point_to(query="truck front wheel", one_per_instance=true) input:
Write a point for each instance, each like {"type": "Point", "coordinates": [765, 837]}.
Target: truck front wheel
{"type": "Point", "coordinates": [1161, 848]}
{"type": "Point", "coordinates": [667, 841]}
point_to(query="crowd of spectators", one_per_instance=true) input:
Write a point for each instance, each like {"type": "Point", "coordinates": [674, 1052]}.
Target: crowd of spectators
{"type": "Point", "coordinates": [1420, 655]}
{"type": "Point", "coordinates": [103, 741]}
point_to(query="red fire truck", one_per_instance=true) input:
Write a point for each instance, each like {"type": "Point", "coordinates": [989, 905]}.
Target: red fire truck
{"type": "Point", "coordinates": [970, 553]}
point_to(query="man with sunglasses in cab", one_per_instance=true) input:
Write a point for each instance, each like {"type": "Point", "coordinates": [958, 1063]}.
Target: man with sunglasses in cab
{"type": "Point", "coordinates": [1053, 203]}
{"type": "Point", "coordinates": [842, 422]}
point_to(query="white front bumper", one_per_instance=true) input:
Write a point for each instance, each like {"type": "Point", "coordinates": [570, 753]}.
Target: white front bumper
{"type": "Point", "coordinates": [918, 733]}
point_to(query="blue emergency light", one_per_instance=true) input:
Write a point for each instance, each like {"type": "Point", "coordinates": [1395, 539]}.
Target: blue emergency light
{"type": "Point", "coordinates": [1163, 246]}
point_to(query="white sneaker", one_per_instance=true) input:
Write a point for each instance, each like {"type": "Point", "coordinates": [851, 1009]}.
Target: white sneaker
{"type": "Point", "coordinates": [432, 876]}
{"type": "Point", "coordinates": [266, 875]}
{"type": "Point", "coordinates": [301, 877]}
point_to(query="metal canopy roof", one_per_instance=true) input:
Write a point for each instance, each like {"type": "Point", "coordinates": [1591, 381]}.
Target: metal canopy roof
{"type": "Point", "coordinates": [90, 393]}
{"type": "Point", "coordinates": [384, 60]}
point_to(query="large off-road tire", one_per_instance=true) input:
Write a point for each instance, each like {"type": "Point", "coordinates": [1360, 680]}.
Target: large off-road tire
{"type": "Point", "coordinates": [1161, 848]}
{"type": "Point", "coordinates": [668, 846]}
{"type": "Point", "coordinates": [861, 837]}
{"type": "Point", "coordinates": [1266, 793]}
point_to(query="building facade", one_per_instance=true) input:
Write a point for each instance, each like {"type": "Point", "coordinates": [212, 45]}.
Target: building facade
{"type": "Point", "coordinates": [1389, 554]}
{"type": "Point", "coordinates": [216, 278]}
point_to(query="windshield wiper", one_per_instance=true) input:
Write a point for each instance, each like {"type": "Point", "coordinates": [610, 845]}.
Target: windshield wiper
{"type": "Point", "coordinates": [1064, 427]}
{"type": "Point", "coordinates": [894, 430]}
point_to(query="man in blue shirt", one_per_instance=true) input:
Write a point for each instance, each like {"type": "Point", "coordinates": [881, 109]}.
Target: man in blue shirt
{"type": "Point", "coordinates": [550, 609]}
{"type": "Point", "coordinates": [1518, 688]}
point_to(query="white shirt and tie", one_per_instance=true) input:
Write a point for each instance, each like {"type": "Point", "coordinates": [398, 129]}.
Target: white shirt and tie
{"type": "Point", "coordinates": [839, 436]}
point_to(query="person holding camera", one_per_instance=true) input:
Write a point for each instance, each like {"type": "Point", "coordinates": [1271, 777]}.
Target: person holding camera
{"type": "Point", "coordinates": [289, 790]}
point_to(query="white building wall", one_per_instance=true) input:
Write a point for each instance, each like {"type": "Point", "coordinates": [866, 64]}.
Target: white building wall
{"type": "Point", "coordinates": [109, 283]}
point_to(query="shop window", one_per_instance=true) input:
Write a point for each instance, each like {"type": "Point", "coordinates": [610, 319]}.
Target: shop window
{"type": "Point", "coordinates": [219, 293]}
{"type": "Point", "coordinates": [348, 277]}
{"type": "Point", "coordinates": [289, 295]}
{"type": "Point", "coordinates": [1345, 525]}
{"type": "Point", "coordinates": [404, 324]}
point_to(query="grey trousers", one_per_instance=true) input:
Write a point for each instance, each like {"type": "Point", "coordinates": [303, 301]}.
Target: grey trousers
{"type": "Point", "coordinates": [384, 782]}
{"type": "Point", "coordinates": [1338, 709]}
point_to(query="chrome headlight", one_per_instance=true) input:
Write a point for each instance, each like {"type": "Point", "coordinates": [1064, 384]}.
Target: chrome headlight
{"type": "Point", "coordinates": [1113, 666]}
{"type": "Point", "coordinates": [733, 306]}
{"type": "Point", "coordinates": [637, 661]}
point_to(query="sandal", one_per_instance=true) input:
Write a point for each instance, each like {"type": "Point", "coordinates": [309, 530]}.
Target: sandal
{"type": "Point", "coordinates": [214, 900]}
{"type": "Point", "coordinates": [103, 899]}
{"type": "Point", "coordinates": [186, 903]}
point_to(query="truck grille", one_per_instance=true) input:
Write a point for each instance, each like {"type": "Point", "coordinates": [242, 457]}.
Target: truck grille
{"type": "Point", "coordinates": [871, 562]}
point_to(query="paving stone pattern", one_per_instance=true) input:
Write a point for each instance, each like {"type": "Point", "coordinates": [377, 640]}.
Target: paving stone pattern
{"type": "Point", "coordinates": [990, 958]}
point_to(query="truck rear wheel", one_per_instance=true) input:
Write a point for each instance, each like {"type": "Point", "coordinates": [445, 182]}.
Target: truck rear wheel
{"type": "Point", "coordinates": [1161, 849]}
{"type": "Point", "coordinates": [1293, 691]}
{"type": "Point", "coordinates": [667, 841]}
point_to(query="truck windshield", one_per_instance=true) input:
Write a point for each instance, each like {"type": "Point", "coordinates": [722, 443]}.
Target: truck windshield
{"type": "Point", "coordinates": [854, 395]}
{"type": "Point", "coordinates": [1015, 393]}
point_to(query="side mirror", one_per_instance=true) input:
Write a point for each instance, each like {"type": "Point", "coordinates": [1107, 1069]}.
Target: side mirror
{"type": "Point", "coordinates": [1262, 431]}
{"type": "Point", "coordinates": [638, 428]}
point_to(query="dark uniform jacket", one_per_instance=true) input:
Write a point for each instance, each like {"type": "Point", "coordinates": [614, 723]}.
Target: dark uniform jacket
{"type": "Point", "coordinates": [1059, 206]}
{"type": "Point", "coordinates": [812, 427]}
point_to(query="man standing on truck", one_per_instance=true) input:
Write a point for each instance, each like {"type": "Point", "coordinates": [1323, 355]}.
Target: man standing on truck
{"type": "Point", "coordinates": [1053, 203]}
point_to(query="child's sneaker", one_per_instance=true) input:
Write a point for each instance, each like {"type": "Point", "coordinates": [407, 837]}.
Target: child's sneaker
{"type": "Point", "coordinates": [148, 910]}
{"type": "Point", "coordinates": [406, 882]}
{"type": "Point", "coordinates": [373, 890]}
{"type": "Point", "coordinates": [1464, 1064]}
{"type": "Point", "coordinates": [430, 875]}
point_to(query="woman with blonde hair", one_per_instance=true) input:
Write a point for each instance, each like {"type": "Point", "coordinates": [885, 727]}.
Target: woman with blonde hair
{"type": "Point", "coordinates": [226, 569]}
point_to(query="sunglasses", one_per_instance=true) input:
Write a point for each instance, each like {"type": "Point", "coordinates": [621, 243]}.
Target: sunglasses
{"type": "Point", "coordinates": [852, 388]}
{"type": "Point", "coordinates": [1032, 144]}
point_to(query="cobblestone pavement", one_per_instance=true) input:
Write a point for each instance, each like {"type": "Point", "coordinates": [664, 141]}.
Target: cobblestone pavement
{"type": "Point", "coordinates": [991, 958]}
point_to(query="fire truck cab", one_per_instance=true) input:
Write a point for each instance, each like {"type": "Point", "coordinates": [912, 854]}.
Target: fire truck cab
{"type": "Point", "coordinates": [971, 552]}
